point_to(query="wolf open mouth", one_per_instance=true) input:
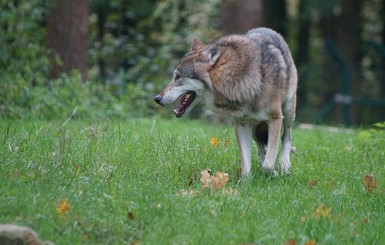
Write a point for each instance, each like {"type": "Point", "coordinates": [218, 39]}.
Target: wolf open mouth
{"type": "Point", "coordinates": [184, 102]}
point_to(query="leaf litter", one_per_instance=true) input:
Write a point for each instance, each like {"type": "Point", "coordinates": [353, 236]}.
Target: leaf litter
{"type": "Point", "coordinates": [214, 183]}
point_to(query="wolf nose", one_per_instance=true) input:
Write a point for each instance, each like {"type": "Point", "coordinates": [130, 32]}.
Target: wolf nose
{"type": "Point", "coordinates": [158, 99]}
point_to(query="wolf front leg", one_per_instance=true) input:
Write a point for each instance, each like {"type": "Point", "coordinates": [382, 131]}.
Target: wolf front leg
{"type": "Point", "coordinates": [268, 164]}
{"type": "Point", "coordinates": [244, 136]}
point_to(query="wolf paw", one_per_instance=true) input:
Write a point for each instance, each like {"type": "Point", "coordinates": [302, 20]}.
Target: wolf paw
{"type": "Point", "coordinates": [284, 166]}
{"type": "Point", "coordinates": [270, 172]}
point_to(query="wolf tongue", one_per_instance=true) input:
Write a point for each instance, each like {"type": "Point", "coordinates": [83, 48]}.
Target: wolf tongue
{"type": "Point", "coordinates": [183, 103]}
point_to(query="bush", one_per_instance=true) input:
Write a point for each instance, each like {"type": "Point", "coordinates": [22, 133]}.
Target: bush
{"type": "Point", "coordinates": [22, 36]}
{"type": "Point", "coordinates": [68, 94]}
{"type": "Point", "coordinates": [137, 59]}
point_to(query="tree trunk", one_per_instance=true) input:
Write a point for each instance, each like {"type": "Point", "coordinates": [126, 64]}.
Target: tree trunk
{"type": "Point", "coordinates": [302, 56]}
{"type": "Point", "coordinates": [67, 37]}
{"type": "Point", "coordinates": [382, 13]}
{"type": "Point", "coordinates": [275, 16]}
{"type": "Point", "coordinates": [349, 41]}
{"type": "Point", "coordinates": [330, 70]}
{"type": "Point", "coordinates": [382, 80]}
{"type": "Point", "coordinates": [241, 16]}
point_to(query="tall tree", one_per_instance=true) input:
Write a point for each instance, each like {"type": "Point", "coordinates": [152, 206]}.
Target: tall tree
{"type": "Point", "coordinates": [303, 36]}
{"type": "Point", "coordinates": [241, 16]}
{"type": "Point", "coordinates": [383, 21]}
{"type": "Point", "coordinates": [275, 16]}
{"type": "Point", "coordinates": [349, 39]}
{"type": "Point", "coordinates": [382, 14]}
{"type": "Point", "coordinates": [67, 37]}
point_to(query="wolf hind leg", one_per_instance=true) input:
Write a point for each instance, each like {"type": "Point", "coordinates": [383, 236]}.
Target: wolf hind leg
{"type": "Point", "coordinates": [284, 159]}
{"type": "Point", "coordinates": [260, 136]}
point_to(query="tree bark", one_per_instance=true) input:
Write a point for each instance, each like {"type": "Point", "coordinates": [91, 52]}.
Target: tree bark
{"type": "Point", "coordinates": [303, 38]}
{"type": "Point", "coordinates": [382, 80]}
{"type": "Point", "coordinates": [67, 37]}
{"type": "Point", "coordinates": [241, 16]}
{"type": "Point", "coordinates": [275, 16]}
{"type": "Point", "coordinates": [349, 41]}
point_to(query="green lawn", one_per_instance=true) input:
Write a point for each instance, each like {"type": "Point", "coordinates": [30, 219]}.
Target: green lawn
{"type": "Point", "coordinates": [138, 182]}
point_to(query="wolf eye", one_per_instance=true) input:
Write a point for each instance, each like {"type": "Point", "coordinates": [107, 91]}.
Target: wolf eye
{"type": "Point", "coordinates": [177, 76]}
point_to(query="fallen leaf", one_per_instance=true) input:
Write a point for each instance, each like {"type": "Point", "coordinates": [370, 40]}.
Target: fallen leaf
{"type": "Point", "coordinates": [321, 212]}
{"type": "Point", "coordinates": [220, 180]}
{"type": "Point", "coordinates": [75, 166]}
{"type": "Point", "coordinates": [311, 242]}
{"type": "Point", "coordinates": [131, 215]}
{"type": "Point", "coordinates": [215, 141]}
{"type": "Point", "coordinates": [205, 179]}
{"type": "Point", "coordinates": [369, 182]}
{"type": "Point", "coordinates": [217, 181]}
{"type": "Point", "coordinates": [290, 242]}
{"type": "Point", "coordinates": [312, 183]}
{"type": "Point", "coordinates": [63, 207]}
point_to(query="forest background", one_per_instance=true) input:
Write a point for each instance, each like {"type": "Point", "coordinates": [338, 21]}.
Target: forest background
{"type": "Point", "coordinates": [103, 59]}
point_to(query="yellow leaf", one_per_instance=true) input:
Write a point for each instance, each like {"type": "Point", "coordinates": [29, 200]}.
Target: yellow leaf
{"type": "Point", "coordinates": [320, 212]}
{"type": "Point", "coordinates": [215, 141]}
{"type": "Point", "coordinates": [63, 207]}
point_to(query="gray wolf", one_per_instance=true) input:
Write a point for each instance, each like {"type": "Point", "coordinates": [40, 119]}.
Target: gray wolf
{"type": "Point", "coordinates": [250, 79]}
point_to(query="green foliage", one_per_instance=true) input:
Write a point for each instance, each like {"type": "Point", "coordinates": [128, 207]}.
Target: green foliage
{"type": "Point", "coordinates": [24, 65]}
{"type": "Point", "coordinates": [134, 45]}
{"type": "Point", "coordinates": [174, 25]}
{"type": "Point", "coordinates": [21, 35]}
{"type": "Point", "coordinates": [373, 141]}
{"type": "Point", "coordinates": [68, 94]}
{"type": "Point", "coordinates": [157, 34]}
{"type": "Point", "coordinates": [23, 59]}
{"type": "Point", "coordinates": [117, 35]}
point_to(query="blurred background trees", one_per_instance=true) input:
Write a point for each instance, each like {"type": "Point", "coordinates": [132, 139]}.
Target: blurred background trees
{"type": "Point", "coordinates": [124, 51]}
{"type": "Point", "coordinates": [67, 37]}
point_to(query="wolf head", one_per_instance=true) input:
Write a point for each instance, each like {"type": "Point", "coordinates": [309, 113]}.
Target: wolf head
{"type": "Point", "coordinates": [190, 78]}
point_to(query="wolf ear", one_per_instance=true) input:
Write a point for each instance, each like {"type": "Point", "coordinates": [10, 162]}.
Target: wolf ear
{"type": "Point", "coordinates": [212, 54]}
{"type": "Point", "coordinates": [197, 44]}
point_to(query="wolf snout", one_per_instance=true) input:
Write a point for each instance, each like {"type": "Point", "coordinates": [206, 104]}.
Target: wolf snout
{"type": "Point", "coordinates": [158, 99]}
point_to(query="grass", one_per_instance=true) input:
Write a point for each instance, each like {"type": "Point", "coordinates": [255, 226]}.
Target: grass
{"type": "Point", "coordinates": [137, 182]}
